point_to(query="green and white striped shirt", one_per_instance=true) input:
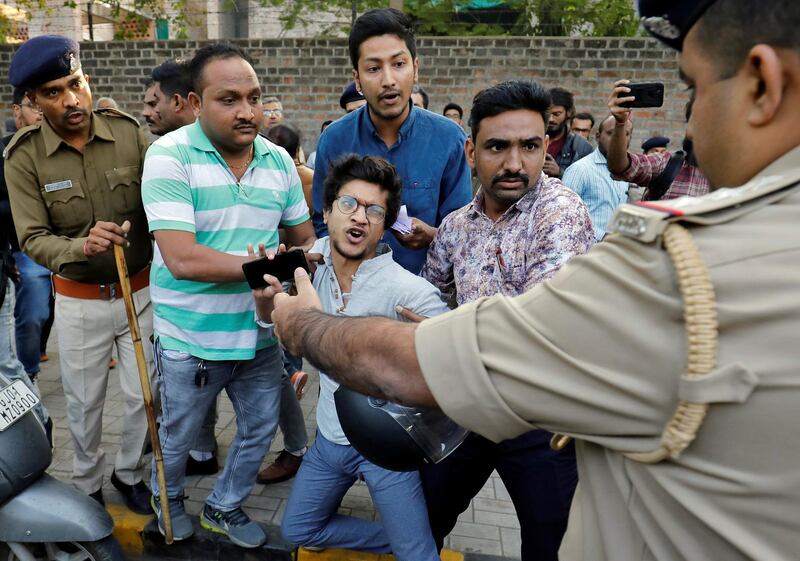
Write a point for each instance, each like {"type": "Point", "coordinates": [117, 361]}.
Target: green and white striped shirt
{"type": "Point", "coordinates": [187, 186]}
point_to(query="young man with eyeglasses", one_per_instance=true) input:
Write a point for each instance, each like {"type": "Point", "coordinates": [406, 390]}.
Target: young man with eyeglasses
{"type": "Point", "coordinates": [32, 309]}
{"type": "Point", "coordinates": [273, 112]}
{"type": "Point", "coordinates": [29, 289]}
{"type": "Point", "coordinates": [357, 277]}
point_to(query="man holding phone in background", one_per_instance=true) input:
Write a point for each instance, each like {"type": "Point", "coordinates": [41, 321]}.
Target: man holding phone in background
{"type": "Point", "coordinates": [210, 189]}
{"type": "Point", "coordinates": [665, 175]}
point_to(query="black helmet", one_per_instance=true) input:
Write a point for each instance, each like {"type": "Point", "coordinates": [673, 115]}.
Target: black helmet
{"type": "Point", "coordinates": [394, 436]}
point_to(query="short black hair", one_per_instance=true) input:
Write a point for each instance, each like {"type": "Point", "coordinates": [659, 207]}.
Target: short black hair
{"type": "Point", "coordinates": [325, 124]}
{"type": "Point", "coordinates": [173, 77]}
{"type": "Point", "coordinates": [372, 169]}
{"type": "Point", "coordinates": [455, 106]}
{"type": "Point", "coordinates": [381, 21]}
{"type": "Point", "coordinates": [563, 98]}
{"type": "Point", "coordinates": [19, 95]}
{"type": "Point", "coordinates": [286, 137]}
{"type": "Point", "coordinates": [585, 117]}
{"type": "Point", "coordinates": [425, 97]}
{"type": "Point", "coordinates": [730, 28]}
{"type": "Point", "coordinates": [509, 96]}
{"type": "Point", "coordinates": [209, 53]}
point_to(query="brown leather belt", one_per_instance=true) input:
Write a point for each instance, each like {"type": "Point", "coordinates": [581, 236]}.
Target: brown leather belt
{"type": "Point", "coordinates": [88, 291]}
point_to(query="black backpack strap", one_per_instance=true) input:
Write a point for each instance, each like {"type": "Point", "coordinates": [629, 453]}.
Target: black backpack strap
{"type": "Point", "coordinates": [660, 184]}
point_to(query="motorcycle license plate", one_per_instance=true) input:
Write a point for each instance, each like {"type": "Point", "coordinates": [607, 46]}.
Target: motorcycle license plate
{"type": "Point", "coordinates": [15, 401]}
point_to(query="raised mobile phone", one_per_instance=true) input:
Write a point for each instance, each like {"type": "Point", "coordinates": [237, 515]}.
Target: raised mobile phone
{"type": "Point", "coordinates": [647, 94]}
{"type": "Point", "coordinates": [282, 266]}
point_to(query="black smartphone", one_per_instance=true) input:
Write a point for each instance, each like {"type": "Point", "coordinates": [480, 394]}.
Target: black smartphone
{"type": "Point", "coordinates": [282, 267]}
{"type": "Point", "coordinates": [647, 94]}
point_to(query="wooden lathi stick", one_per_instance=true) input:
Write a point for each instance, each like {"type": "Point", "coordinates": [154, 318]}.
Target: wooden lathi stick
{"type": "Point", "coordinates": [147, 393]}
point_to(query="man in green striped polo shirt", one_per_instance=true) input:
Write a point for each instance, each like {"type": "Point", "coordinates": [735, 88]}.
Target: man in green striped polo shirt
{"type": "Point", "coordinates": [210, 189]}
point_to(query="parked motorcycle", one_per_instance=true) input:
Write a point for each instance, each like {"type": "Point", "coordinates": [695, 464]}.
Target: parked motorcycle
{"type": "Point", "coordinates": [42, 518]}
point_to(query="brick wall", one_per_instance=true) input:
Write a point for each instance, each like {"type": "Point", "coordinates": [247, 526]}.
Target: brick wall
{"type": "Point", "coordinates": [309, 74]}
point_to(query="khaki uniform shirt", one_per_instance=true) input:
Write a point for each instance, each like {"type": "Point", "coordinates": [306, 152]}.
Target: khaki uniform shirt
{"type": "Point", "coordinates": [598, 353]}
{"type": "Point", "coordinates": [58, 193]}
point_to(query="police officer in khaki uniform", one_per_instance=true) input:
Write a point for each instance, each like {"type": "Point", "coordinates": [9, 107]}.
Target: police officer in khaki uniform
{"type": "Point", "coordinates": [669, 352]}
{"type": "Point", "coordinates": [74, 182]}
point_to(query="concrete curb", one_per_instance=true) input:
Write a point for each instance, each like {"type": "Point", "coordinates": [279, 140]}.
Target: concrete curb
{"type": "Point", "coordinates": [138, 535]}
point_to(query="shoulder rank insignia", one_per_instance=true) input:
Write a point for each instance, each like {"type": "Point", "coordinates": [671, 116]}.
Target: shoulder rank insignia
{"type": "Point", "coordinates": [646, 220]}
{"type": "Point", "coordinates": [19, 138]}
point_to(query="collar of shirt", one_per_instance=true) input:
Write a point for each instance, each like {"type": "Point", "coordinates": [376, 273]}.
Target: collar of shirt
{"type": "Point", "coordinates": [200, 141]}
{"type": "Point", "coordinates": [97, 128]}
{"type": "Point", "coordinates": [405, 129]}
{"type": "Point", "coordinates": [598, 158]}
{"type": "Point", "coordinates": [525, 204]}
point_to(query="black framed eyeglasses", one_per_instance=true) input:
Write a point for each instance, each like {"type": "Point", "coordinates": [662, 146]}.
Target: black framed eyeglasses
{"type": "Point", "coordinates": [347, 204]}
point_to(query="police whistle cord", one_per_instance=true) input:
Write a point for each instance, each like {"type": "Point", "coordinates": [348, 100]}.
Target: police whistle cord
{"type": "Point", "coordinates": [144, 380]}
{"type": "Point", "coordinates": [702, 329]}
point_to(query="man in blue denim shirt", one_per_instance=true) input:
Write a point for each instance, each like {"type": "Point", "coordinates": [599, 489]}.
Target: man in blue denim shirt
{"type": "Point", "coordinates": [427, 149]}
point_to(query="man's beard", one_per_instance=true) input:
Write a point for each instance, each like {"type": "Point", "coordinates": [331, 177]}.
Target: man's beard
{"type": "Point", "coordinates": [557, 131]}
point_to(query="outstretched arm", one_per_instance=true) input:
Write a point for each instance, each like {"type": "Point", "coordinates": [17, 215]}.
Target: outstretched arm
{"type": "Point", "coordinates": [372, 355]}
{"type": "Point", "coordinates": [618, 158]}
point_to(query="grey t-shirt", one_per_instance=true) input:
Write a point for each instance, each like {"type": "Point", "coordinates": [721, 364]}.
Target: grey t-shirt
{"type": "Point", "coordinates": [379, 285]}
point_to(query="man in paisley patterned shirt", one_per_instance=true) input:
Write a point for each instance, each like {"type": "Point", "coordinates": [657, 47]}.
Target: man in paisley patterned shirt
{"type": "Point", "coordinates": [519, 230]}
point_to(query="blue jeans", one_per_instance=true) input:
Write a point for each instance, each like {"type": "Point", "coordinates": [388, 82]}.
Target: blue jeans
{"type": "Point", "coordinates": [540, 481]}
{"type": "Point", "coordinates": [327, 472]}
{"type": "Point", "coordinates": [291, 363]}
{"type": "Point", "coordinates": [253, 387]}
{"type": "Point", "coordinates": [32, 310]}
{"type": "Point", "coordinates": [10, 367]}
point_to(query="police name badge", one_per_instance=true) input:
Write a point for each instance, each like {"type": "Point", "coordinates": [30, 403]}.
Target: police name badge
{"type": "Point", "coordinates": [58, 186]}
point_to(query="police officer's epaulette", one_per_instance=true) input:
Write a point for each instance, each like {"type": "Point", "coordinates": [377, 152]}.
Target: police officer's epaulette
{"type": "Point", "coordinates": [646, 220]}
{"type": "Point", "coordinates": [19, 138]}
{"type": "Point", "coordinates": [111, 112]}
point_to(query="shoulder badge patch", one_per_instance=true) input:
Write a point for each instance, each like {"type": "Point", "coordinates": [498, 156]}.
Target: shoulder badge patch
{"type": "Point", "coordinates": [19, 139]}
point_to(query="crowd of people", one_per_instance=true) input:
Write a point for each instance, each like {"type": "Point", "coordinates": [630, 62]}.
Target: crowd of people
{"type": "Point", "coordinates": [494, 212]}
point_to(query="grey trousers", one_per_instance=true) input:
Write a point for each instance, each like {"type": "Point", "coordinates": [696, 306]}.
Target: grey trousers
{"type": "Point", "coordinates": [88, 331]}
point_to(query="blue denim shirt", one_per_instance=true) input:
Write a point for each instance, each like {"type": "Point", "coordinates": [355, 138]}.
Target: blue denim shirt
{"type": "Point", "coordinates": [429, 156]}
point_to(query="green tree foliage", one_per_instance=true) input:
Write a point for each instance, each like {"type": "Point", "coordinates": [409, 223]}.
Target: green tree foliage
{"type": "Point", "coordinates": [606, 18]}
{"type": "Point", "coordinates": [432, 17]}
{"type": "Point", "coordinates": [475, 17]}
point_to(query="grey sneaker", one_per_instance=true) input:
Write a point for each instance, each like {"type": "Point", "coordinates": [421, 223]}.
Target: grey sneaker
{"type": "Point", "coordinates": [235, 524]}
{"type": "Point", "coordinates": [181, 523]}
